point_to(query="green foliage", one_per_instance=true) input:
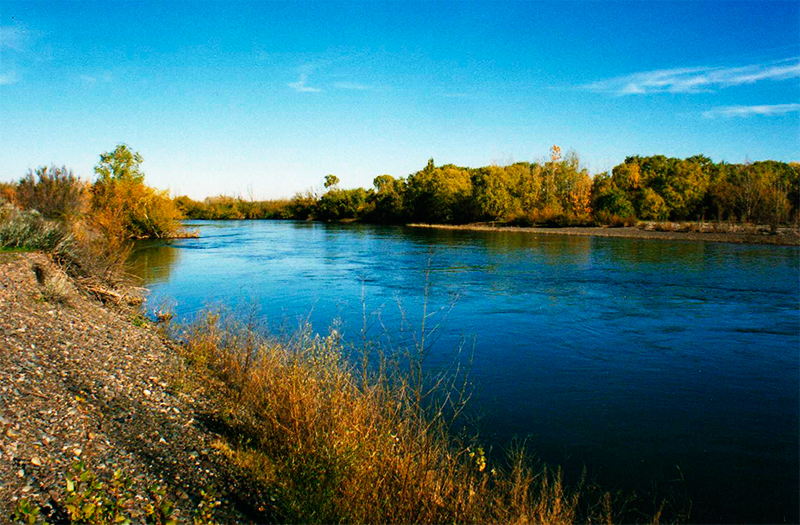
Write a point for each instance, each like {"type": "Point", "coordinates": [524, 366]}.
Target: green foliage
{"type": "Point", "coordinates": [204, 515]}
{"type": "Point", "coordinates": [337, 205]}
{"type": "Point", "coordinates": [55, 192]}
{"type": "Point", "coordinates": [663, 188]}
{"type": "Point", "coordinates": [388, 206]}
{"type": "Point", "coordinates": [122, 164]}
{"type": "Point", "coordinates": [614, 201]}
{"type": "Point", "coordinates": [27, 512]}
{"type": "Point", "coordinates": [331, 181]}
{"type": "Point", "coordinates": [555, 192]}
{"type": "Point", "coordinates": [651, 206]}
{"type": "Point", "coordinates": [89, 501]}
{"type": "Point", "coordinates": [493, 189]}
{"type": "Point", "coordinates": [160, 509]}
{"type": "Point", "coordinates": [440, 195]}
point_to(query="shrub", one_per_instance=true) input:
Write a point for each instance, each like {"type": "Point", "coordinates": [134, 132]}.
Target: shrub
{"type": "Point", "coordinates": [612, 219]}
{"type": "Point", "coordinates": [131, 209]}
{"type": "Point", "coordinates": [55, 192]}
{"type": "Point", "coordinates": [28, 229]}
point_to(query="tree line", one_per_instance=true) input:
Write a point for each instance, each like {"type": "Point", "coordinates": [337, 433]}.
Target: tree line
{"type": "Point", "coordinates": [556, 192]}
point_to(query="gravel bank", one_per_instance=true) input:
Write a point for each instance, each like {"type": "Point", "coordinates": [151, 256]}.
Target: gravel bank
{"type": "Point", "coordinates": [79, 380]}
{"type": "Point", "coordinates": [785, 237]}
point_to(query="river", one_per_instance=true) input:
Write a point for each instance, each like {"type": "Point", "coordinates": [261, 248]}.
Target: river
{"type": "Point", "coordinates": [665, 367]}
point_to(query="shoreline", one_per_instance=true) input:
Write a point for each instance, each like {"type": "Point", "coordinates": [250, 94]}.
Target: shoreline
{"type": "Point", "coordinates": [780, 239]}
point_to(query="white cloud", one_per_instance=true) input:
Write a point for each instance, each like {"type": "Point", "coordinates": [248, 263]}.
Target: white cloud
{"type": "Point", "coordinates": [8, 77]}
{"type": "Point", "coordinates": [747, 111]}
{"type": "Point", "coordinates": [697, 79]}
{"type": "Point", "coordinates": [351, 85]}
{"type": "Point", "coordinates": [301, 87]}
{"type": "Point", "coordinates": [13, 37]}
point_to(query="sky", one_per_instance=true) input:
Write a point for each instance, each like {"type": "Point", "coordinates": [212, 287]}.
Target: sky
{"type": "Point", "coordinates": [263, 99]}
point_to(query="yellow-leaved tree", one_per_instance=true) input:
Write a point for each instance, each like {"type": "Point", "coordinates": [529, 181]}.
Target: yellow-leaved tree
{"type": "Point", "coordinates": [123, 205]}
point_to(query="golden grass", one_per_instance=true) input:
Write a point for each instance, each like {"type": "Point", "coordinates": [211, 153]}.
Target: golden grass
{"type": "Point", "coordinates": [325, 442]}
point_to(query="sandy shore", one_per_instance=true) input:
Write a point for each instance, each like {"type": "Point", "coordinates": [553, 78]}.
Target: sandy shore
{"type": "Point", "coordinates": [785, 237]}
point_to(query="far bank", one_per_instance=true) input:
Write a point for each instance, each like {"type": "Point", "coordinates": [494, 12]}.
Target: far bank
{"type": "Point", "coordinates": [709, 232]}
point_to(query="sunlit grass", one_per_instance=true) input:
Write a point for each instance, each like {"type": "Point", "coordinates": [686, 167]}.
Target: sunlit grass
{"type": "Point", "coordinates": [325, 442]}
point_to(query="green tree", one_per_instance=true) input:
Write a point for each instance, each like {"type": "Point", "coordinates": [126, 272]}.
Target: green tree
{"type": "Point", "coordinates": [388, 200]}
{"type": "Point", "coordinates": [491, 188]}
{"type": "Point", "coordinates": [331, 181]}
{"type": "Point", "coordinates": [440, 195]}
{"type": "Point", "coordinates": [122, 164]}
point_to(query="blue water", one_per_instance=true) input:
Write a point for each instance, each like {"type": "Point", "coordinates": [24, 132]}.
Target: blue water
{"type": "Point", "coordinates": [666, 368]}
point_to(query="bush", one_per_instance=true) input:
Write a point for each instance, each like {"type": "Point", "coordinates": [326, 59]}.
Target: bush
{"type": "Point", "coordinates": [55, 192]}
{"type": "Point", "coordinates": [28, 229]}
{"type": "Point", "coordinates": [80, 250]}
{"type": "Point", "coordinates": [131, 209]}
{"type": "Point", "coordinates": [612, 219]}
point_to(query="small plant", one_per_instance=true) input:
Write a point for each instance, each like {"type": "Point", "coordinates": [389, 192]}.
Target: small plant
{"type": "Point", "coordinates": [160, 509]}
{"type": "Point", "coordinates": [26, 512]}
{"type": "Point", "coordinates": [91, 501]}
{"type": "Point", "coordinates": [204, 515]}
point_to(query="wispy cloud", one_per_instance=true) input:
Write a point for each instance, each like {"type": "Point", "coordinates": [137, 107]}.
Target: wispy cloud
{"type": "Point", "coordinates": [104, 77]}
{"type": "Point", "coordinates": [301, 87]}
{"type": "Point", "coordinates": [8, 77]}
{"type": "Point", "coordinates": [13, 37]}
{"type": "Point", "coordinates": [696, 79]}
{"type": "Point", "coordinates": [747, 111]}
{"type": "Point", "coordinates": [352, 86]}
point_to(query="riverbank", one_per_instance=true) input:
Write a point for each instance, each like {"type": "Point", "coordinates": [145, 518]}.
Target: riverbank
{"type": "Point", "coordinates": [84, 381]}
{"type": "Point", "coordinates": [651, 231]}
{"type": "Point", "coordinates": [282, 431]}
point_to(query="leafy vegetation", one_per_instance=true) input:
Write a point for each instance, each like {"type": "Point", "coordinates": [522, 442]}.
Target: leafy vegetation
{"type": "Point", "coordinates": [555, 192]}
{"type": "Point", "coordinates": [118, 206]}
{"type": "Point", "coordinates": [87, 500]}
{"type": "Point", "coordinates": [122, 205]}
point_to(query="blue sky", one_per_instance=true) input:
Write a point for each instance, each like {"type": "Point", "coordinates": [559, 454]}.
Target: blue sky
{"type": "Point", "coordinates": [266, 98]}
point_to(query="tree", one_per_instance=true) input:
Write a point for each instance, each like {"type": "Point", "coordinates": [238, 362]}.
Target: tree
{"type": "Point", "coordinates": [122, 164]}
{"type": "Point", "coordinates": [123, 206]}
{"type": "Point", "coordinates": [331, 181]}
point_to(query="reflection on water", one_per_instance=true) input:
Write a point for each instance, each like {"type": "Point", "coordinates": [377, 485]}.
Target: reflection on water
{"type": "Point", "coordinates": [153, 261]}
{"type": "Point", "coordinates": [647, 361]}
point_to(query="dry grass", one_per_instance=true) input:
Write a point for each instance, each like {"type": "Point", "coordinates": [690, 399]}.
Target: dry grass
{"type": "Point", "coordinates": [324, 442]}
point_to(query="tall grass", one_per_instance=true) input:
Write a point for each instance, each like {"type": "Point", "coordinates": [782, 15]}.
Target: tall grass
{"type": "Point", "coordinates": [325, 442]}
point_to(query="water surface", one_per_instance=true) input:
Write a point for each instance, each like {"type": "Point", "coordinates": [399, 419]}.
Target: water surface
{"type": "Point", "coordinates": [663, 366]}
